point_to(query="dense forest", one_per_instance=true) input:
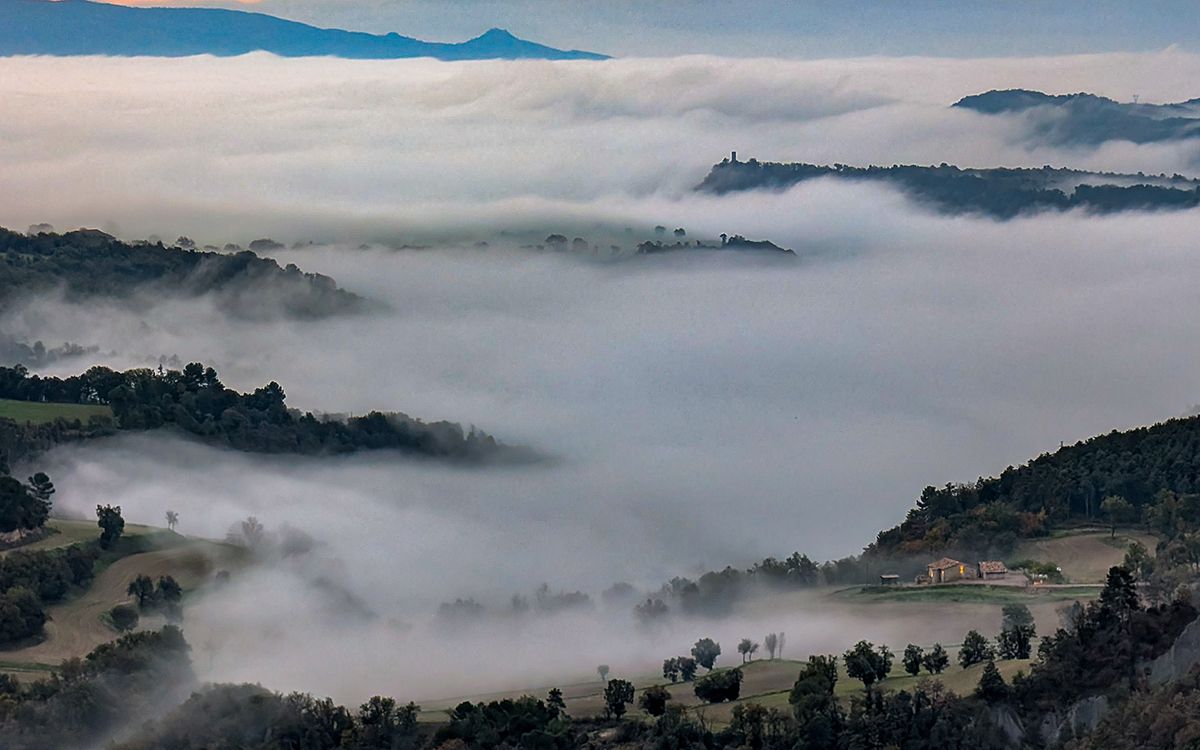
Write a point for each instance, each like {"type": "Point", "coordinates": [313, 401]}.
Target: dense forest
{"type": "Point", "coordinates": [1001, 193]}
{"type": "Point", "coordinates": [1126, 476]}
{"type": "Point", "coordinates": [91, 264]}
{"type": "Point", "coordinates": [194, 401]}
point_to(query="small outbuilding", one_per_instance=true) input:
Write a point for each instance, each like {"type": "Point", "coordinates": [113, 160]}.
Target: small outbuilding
{"type": "Point", "coordinates": [889, 579]}
{"type": "Point", "coordinates": [993, 570]}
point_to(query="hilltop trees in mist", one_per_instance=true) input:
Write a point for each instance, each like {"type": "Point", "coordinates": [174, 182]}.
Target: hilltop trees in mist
{"type": "Point", "coordinates": [868, 663]}
{"type": "Point", "coordinates": [705, 652]}
{"type": "Point", "coordinates": [91, 264]}
{"type": "Point", "coordinates": [111, 524]}
{"type": "Point", "coordinates": [195, 401]}
{"type": "Point", "coordinates": [679, 668]}
{"type": "Point", "coordinates": [617, 695]}
{"type": "Point", "coordinates": [747, 648]}
{"type": "Point", "coordinates": [718, 687]}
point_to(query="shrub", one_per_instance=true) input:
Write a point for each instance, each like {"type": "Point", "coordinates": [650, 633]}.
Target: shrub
{"type": "Point", "coordinates": [718, 687]}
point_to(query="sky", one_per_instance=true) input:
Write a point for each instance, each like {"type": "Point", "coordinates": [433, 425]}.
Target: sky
{"type": "Point", "coordinates": [779, 28]}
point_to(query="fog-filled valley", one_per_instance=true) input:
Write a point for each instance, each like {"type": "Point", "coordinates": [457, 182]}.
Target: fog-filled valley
{"type": "Point", "coordinates": [701, 411]}
{"type": "Point", "coordinates": [690, 410]}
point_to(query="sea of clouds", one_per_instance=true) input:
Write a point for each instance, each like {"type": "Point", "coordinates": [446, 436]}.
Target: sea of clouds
{"type": "Point", "coordinates": [702, 410]}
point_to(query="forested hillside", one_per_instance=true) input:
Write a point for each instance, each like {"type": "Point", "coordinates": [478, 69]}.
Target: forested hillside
{"type": "Point", "coordinates": [88, 264]}
{"type": "Point", "coordinates": [195, 402]}
{"type": "Point", "coordinates": [1123, 476]}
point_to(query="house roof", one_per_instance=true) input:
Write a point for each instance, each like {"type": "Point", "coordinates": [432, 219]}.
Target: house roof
{"type": "Point", "coordinates": [945, 563]}
{"type": "Point", "coordinates": [992, 566]}
{"type": "Point", "coordinates": [890, 575]}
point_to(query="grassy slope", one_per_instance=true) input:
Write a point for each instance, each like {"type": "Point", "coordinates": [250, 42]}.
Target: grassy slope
{"type": "Point", "coordinates": [31, 412]}
{"type": "Point", "coordinates": [767, 683]}
{"type": "Point", "coordinates": [76, 626]}
{"type": "Point", "coordinates": [1084, 555]}
{"type": "Point", "coordinates": [68, 532]}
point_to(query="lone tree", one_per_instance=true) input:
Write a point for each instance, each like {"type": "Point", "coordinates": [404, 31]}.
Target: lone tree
{"type": "Point", "coordinates": [812, 697]}
{"type": "Point", "coordinates": [936, 661]}
{"type": "Point", "coordinates": [1117, 510]}
{"type": "Point", "coordinates": [555, 702]}
{"type": "Point", "coordinates": [142, 588]}
{"type": "Point", "coordinates": [671, 669]}
{"type": "Point", "coordinates": [169, 594]}
{"type": "Point", "coordinates": [602, 670]}
{"type": "Point", "coordinates": [975, 650]}
{"type": "Point", "coordinates": [913, 655]}
{"type": "Point", "coordinates": [771, 641]}
{"type": "Point", "coordinates": [172, 519]}
{"type": "Point", "coordinates": [654, 700]}
{"type": "Point", "coordinates": [706, 652]}
{"type": "Point", "coordinates": [687, 668]}
{"type": "Point", "coordinates": [617, 695]}
{"type": "Point", "coordinates": [867, 663]}
{"type": "Point", "coordinates": [111, 524]}
{"type": "Point", "coordinates": [747, 648]}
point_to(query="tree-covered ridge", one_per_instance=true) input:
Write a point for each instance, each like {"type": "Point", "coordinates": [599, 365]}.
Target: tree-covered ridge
{"type": "Point", "coordinates": [999, 192]}
{"type": "Point", "coordinates": [1080, 481]}
{"type": "Point", "coordinates": [1087, 119]}
{"type": "Point", "coordinates": [195, 401]}
{"type": "Point", "coordinates": [91, 264]}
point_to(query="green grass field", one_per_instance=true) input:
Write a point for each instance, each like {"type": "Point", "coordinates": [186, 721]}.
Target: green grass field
{"type": "Point", "coordinates": [969, 593]}
{"type": "Point", "coordinates": [30, 412]}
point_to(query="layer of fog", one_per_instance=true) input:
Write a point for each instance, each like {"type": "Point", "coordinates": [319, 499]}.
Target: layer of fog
{"type": "Point", "coordinates": [706, 410]}
{"type": "Point", "coordinates": [231, 149]}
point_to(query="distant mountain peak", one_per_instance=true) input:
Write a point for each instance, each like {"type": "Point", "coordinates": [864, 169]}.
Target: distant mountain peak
{"type": "Point", "coordinates": [85, 27]}
{"type": "Point", "coordinates": [496, 33]}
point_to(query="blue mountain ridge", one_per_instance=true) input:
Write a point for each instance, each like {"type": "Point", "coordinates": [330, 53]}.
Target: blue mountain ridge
{"type": "Point", "coordinates": [83, 27]}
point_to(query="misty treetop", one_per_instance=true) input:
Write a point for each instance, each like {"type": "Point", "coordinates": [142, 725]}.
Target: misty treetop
{"type": "Point", "coordinates": [1000, 192]}
{"type": "Point", "coordinates": [194, 400]}
{"type": "Point", "coordinates": [89, 264]}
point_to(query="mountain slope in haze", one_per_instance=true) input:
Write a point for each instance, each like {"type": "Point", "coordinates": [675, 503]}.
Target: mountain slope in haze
{"type": "Point", "coordinates": [997, 192]}
{"type": "Point", "coordinates": [1086, 119]}
{"type": "Point", "coordinates": [87, 264]}
{"type": "Point", "coordinates": [81, 27]}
